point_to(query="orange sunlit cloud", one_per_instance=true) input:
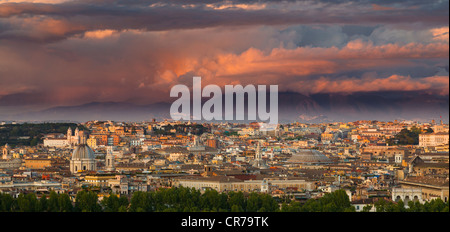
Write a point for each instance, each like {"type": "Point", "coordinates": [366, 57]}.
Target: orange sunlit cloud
{"type": "Point", "coordinates": [99, 34]}
{"type": "Point", "coordinates": [318, 61]}
{"type": "Point", "coordinates": [374, 84]}
{"type": "Point", "coordinates": [441, 34]}
{"type": "Point", "coordinates": [381, 8]}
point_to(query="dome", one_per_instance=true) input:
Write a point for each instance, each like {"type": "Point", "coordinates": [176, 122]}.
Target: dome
{"type": "Point", "coordinates": [309, 156]}
{"type": "Point", "coordinates": [83, 151]}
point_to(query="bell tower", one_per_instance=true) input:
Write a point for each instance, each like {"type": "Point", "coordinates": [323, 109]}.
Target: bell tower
{"type": "Point", "coordinates": [77, 136]}
{"type": "Point", "coordinates": [6, 153]}
{"type": "Point", "coordinates": [109, 160]}
{"type": "Point", "coordinates": [69, 136]}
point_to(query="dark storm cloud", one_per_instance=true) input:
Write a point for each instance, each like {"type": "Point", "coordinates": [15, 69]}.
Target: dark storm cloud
{"type": "Point", "coordinates": [85, 15]}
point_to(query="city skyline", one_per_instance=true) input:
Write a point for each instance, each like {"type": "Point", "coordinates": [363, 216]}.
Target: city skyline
{"type": "Point", "coordinates": [365, 166]}
{"type": "Point", "coordinates": [223, 114]}
{"type": "Point", "coordinates": [337, 60]}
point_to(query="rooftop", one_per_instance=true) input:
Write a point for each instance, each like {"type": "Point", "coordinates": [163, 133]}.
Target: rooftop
{"type": "Point", "coordinates": [309, 156]}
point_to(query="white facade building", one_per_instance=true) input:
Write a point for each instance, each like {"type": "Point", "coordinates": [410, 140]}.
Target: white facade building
{"type": "Point", "coordinates": [56, 142]}
{"type": "Point", "coordinates": [433, 139]}
{"type": "Point", "coordinates": [407, 194]}
{"type": "Point", "coordinates": [6, 152]}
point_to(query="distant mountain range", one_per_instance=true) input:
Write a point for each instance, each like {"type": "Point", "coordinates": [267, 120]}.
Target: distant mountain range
{"type": "Point", "coordinates": [383, 106]}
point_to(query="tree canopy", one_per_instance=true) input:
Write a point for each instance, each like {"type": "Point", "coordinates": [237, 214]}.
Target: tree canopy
{"type": "Point", "coordinates": [30, 134]}
{"type": "Point", "coordinates": [191, 200]}
{"type": "Point", "coordinates": [406, 137]}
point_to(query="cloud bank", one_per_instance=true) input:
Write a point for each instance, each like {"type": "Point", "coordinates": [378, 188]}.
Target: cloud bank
{"type": "Point", "coordinates": [71, 52]}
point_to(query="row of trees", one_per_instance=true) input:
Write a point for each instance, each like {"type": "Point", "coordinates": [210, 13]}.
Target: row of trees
{"type": "Point", "coordinates": [164, 200]}
{"type": "Point", "coordinates": [435, 205]}
{"type": "Point", "coordinates": [337, 201]}
{"type": "Point", "coordinates": [11, 133]}
{"type": "Point", "coordinates": [30, 203]}
{"type": "Point", "coordinates": [190, 200]}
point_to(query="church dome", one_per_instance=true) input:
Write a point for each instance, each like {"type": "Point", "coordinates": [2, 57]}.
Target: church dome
{"type": "Point", "coordinates": [309, 156]}
{"type": "Point", "coordinates": [82, 152]}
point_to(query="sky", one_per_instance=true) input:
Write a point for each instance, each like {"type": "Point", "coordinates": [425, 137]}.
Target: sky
{"type": "Point", "coordinates": [72, 52]}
